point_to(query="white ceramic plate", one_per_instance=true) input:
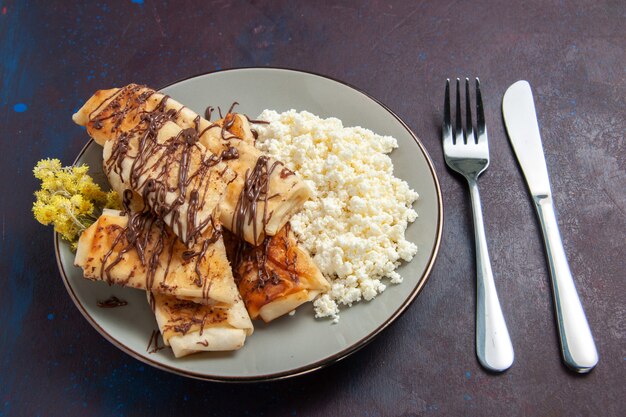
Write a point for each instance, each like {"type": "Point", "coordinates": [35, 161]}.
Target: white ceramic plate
{"type": "Point", "coordinates": [291, 345]}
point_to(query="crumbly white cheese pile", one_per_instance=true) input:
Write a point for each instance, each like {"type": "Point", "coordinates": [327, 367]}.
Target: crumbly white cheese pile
{"type": "Point", "coordinates": [354, 225]}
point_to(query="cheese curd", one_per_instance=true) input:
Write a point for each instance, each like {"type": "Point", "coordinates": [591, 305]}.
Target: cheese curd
{"type": "Point", "coordinates": [354, 225]}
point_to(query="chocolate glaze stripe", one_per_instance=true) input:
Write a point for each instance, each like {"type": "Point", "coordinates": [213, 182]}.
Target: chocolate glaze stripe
{"type": "Point", "coordinates": [153, 343]}
{"type": "Point", "coordinates": [112, 302]}
{"type": "Point", "coordinates": [185, 314]}
{"type": "Point", "coordinates": [255, 190]}
{"type": "Point", "coordinates": [136, 236]}
{"type": "Point", "coordinates": [259, 122]}
{"type": "Point", "coordinates": [174, 153]}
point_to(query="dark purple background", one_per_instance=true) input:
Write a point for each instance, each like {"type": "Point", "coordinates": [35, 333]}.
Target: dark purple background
{"type": "Point", "coordinates": [55, 54]}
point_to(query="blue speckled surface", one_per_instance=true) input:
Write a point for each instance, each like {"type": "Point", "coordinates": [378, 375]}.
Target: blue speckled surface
{"type": "Point", "coordinates": [55, 54]}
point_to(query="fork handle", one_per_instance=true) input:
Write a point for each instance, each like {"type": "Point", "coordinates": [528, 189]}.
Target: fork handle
{"type": "Point", "coordinates": [493, 343]}
{"type": "Point", "coordinates": [577, 346]}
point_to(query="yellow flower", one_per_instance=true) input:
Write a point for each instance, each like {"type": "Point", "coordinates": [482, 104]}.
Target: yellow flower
{"type": "Point", "coordinates": [44, 213]}
{"type": "Point", "coordinates": [64, 226]}
{"type": "Point", "coordinates": [46, 168]}
{"type": "Point", "coordinates": [80, 170]}
{"type": "Point", "coordinates": [91, 190]}
{"type": "Point", "coordinates": [42, 196]}
{"type": "Point", "coordinates": [86, 207]}
{"type": "Point", "coordinates": [67, 182]}
{"type": "Point", "coordinates": [80, 205]}
{"type": "Point", "coordinates": [68, 198]}
{"type": "Point", "coordinates": [113, 201]}
{"type": "Point", "coordinates": [59, 201]}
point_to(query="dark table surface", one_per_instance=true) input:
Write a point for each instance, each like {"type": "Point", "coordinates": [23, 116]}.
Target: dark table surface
{"type": "Point", "coordinates": [55, 54]}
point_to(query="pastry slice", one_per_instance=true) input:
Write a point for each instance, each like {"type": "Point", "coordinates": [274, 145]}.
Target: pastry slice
{"type": "Point", "coordinates": [110, 113]}
{"type": "Point", "coordinates": [265, 193]}
{"type": "Point", "coordinates": [257, 202]}
{"type": "Point", "coordinates": [146, 152]}
{"type": "Point", "coordinates": [275, 277]}
{"type": "Point", "coordinates": [189, 327]}
{"type": "Point", "coordinates": [140, 251]}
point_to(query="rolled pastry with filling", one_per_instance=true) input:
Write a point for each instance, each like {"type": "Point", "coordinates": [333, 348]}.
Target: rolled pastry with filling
{"type": "Point", "coordinates": [265, 194]}
{"type": "Point", "coordinates": [190, 328]}
{"type": "Point", "coordinates": [275, 277]}
{"type": "Point", "coordinates": [257, 202]}
{"type": "Point", "coordinates": [139, 251]}
{"type": "Point", "coordinates": [144, 151]}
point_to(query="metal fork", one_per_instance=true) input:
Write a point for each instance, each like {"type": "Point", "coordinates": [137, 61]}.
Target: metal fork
{"type": "Point", "coordinates": [468, 154]}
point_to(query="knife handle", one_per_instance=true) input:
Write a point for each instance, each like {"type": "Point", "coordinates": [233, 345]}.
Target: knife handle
{"type": "Point", "coordinates": [577, 345]}
{"type": "Point", "coordinates": [493, 343]}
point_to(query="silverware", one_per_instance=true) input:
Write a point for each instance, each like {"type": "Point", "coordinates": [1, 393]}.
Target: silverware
{"type": "Point", "coordinates": [577, 346]}
{"type": "Point", "coordinates": [468, 154]}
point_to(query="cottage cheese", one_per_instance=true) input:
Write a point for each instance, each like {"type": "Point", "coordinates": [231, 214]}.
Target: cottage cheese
{"type": "Point", "coordinates": [354, 225]}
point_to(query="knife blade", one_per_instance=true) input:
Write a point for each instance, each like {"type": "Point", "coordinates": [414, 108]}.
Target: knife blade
{"type": "Point", "coordinates": [520, 118]}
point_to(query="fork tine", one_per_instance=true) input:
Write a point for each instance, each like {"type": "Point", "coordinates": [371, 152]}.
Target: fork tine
{"type": "Point", "coordinates": [481, 126]}
{"type": "Point", "coordinates": [447, 124]}
{"type": "Point", "coordinates": [458, 131]}
{"type": "Point", "coordinates": [468, 115]}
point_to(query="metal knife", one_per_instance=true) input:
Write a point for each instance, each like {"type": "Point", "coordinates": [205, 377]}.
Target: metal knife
{"type": "Point", "coordinates": [577, 345]}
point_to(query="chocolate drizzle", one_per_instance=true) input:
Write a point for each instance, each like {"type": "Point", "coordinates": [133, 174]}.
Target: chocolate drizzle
{"type": "Point", "coordinates": [185, 314]}
{"type": "Point", "coordinates": [208, 113]}
{"type": "Point", "coordinates": [258, 122]}
{"type": "Point", "coordinates": [255, 133]}
{"type": "Point", "coordinates": [200, 254]}
{"type": "Point", "coordinates": [255, 191]}
{"type": "Point", "coordinates": [148, 236]}
{"type": "Point", "coordinates": [138, 235]}
{"type": "Point", "coordinates": [153, 343]}
{"type": "Point", "coordinates": [230, 153]}
{"type": "Point", "coordinates": [230, 109]}
{"type": "Point", "coordinates": [229, 121]}
{"type": "Point", "coordinates": [165, 172]}
{"type": "Point", "coordinates": [112, 302]}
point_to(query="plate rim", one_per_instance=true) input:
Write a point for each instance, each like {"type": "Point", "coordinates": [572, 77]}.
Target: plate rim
{"type": "Point", "coordinates": [322, 363]}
